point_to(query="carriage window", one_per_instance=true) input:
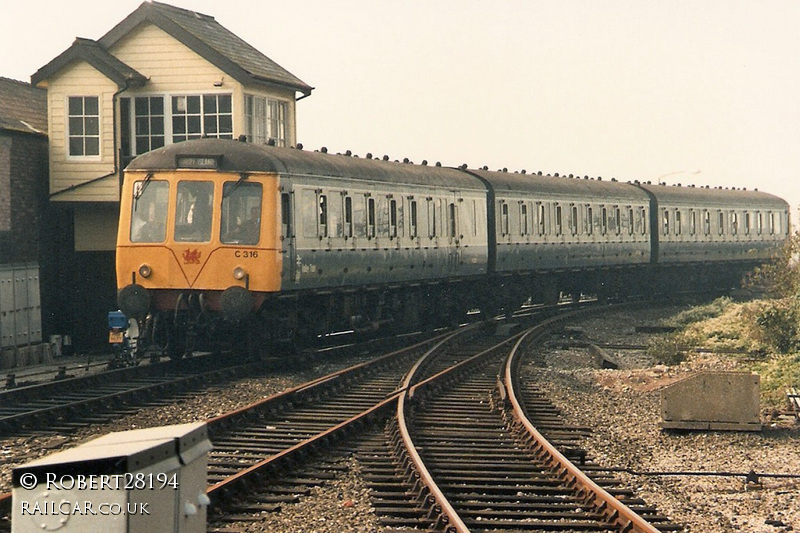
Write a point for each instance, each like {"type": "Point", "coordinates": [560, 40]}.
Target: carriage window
{"type": "Point", "coordinates": [734, 223]}
{"type": "Point", "coordinates": [412, 209]}
{"type": "Point", "coordinates": [618, 220]}
{"type": "Point", "coordinates": [643, 220]}
{"type": "Point", "coordinates": [308, 205]}
{"type": "Point", "coordinates": [392, 218]}
{"type": "Point", "coordinates": [747, 223]}
{"type": "Point", "coordinates": [759, 223]}
{"type": "Point", "coordinates": [523, 218]}
{"type": "Point", "coordinates": [503, 218]}
{"type": "Point", "coordinates": [721, 217]}
{"type": "Point", "coordinates": [348, 216]}
{"type": "Point", "coordinates": [678, 225]}
{"type": "Point", "coordinates": [370, 217]}
{"type": "Point", "coordinates": [359, 216]}
{"type": "Point", "coordinates": [322, 215]}
{"type": "Point", "coordinates": [335, 219]}
{"type": "Point", "coordinates": [665, 222]}
{"type": "Point", "coordinates": [706, 223]}
{"type": "Point", "coordinates": [604, 221]}
{"type": "Point", "coordinates": [574, 220]}
{"type": "Point", "coordinates": [692, 222]}
{"type": "Point", "coordinates": [149, 211]}
{"type": "Point", "coordinates": [193, 211]}
{"type": "Point", "coordinates": [630, 221]}
{"type": "Point", "coordinates": [431, 218]}
{"type": "Point", "coordinates": [558, 219]}
{"type": "Point", "coordinates": [474, 218]}
{"type": "Point", "coordinates": [452, 218]}
{"type": "Point", "coordinates": [589, 221]}
{"type": "Point", "coordinates": [240, 222]}
{"type": "Point", "coordinates": [286, 215]}
{"type": "Point", "coordinates": [540, 219]}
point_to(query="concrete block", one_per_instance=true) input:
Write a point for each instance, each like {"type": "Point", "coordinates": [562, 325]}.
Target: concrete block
{"type": "Point", "coordinates": [727, 401]}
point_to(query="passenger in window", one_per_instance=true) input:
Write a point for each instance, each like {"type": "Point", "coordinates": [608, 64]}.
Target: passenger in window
{"type": "Point", "coordinates": [248, 231]}
{"type": "Point", "coordinates": [145, 227]}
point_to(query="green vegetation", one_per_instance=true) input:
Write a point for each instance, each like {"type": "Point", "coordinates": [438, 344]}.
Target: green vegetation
{"type": "Point", "coordinates": [763, 335]}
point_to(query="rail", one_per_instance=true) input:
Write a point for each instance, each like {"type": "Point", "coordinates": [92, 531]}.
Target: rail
{"type": "Point", "coordinates": [615, 510]}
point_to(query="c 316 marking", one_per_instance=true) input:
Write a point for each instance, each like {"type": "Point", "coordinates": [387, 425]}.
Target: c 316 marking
{"type": "Point", "coordinates": [245, 253]}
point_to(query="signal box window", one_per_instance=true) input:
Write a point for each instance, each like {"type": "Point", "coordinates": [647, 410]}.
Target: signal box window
{"type": "Point", "coordinates": [240, 222]}
{"type": "Point", "coordinates": [148, 123]}
{"type": "Point", "coordinates": [265, 120]}
{"type": "Point", "coordinates": [196, 116]}
{"type": "Point", "coordinates": [149, 211]}
{"type": "Point", "coordinates": [193, 209]}
{"type": "Point", "coordinates": [84, 126]}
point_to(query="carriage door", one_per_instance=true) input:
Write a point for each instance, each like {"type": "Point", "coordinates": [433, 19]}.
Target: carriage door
{"type": "Point", "coordinates": [288, 238]}
{"type": "Point", "coordinates": [453, 234]}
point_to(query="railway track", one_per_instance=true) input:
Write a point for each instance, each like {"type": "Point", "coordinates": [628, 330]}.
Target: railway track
{"type": "Point", "coordinates": [63, 405]}
{"type": "Point", "coordinates": [463, 460]}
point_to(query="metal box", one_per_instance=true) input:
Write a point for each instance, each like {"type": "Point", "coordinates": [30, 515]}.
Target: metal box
{"type": "Point", "coordinates": [142, 481]}
{"type": "Point", "coordinates": [712, 401]}
{"type": "Point", "coordinates": [20, 306]}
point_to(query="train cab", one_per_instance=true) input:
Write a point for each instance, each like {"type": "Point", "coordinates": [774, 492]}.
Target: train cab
{"type": "Point", "coordinates": [195, 234]}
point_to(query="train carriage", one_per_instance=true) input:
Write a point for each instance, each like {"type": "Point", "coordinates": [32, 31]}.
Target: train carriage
{"type": "Point", "coordinates": [314, 242]}
{"type": "Point", "coordinates": [286, 244]}
{"type": "Point", "coordinates": [566, 234]}
{"type": "Point", "coordinates": [697, 224]}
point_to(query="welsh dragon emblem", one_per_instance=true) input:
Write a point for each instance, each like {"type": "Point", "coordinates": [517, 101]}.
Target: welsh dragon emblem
{"type": "Point", "coordinates": [191, 257]}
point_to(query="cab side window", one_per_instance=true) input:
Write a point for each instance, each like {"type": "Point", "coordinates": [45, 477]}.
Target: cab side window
{"type": "Point", "coordinates": [240, 222]}
{"type": "Point", "coordinates": [193, 210]}
{"type": "Point", "coordinates": [149, 211]}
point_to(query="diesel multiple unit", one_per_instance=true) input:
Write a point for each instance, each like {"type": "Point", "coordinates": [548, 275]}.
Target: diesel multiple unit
{"type": "Point", "coordinates": [273, 244]}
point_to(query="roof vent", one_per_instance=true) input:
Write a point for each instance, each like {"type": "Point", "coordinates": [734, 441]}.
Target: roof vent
{"type": "Point", "coordinates": [438, 164]}
{"type": "Point", "coordinates": [484, 167]}
{"type": "Point", "coordinates": [348, 153]}
{"type": "Point", "coordinates": [385, 157]}
{"type": "Point", "coordinates": [524, 171]}
{"type": "Point", "coordinates": [324, 149]}
{"type": "Point", "coordinates": [299, 146]}
{"type": "Point", "coordinates": [424, 162]}
{"type": "Point", "coordinates": [369, 155]}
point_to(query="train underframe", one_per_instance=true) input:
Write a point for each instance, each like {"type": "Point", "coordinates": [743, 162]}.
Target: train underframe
{"type": "Point", "coordinates": [308, 318]}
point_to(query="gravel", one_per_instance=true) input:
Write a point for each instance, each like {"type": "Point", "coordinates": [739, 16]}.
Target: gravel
{"type": "Point", "coordinates": [621, 405]}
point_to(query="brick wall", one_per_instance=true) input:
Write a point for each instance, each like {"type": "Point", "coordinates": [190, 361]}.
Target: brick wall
{"type": "Point", "coordinates": [23, 196]}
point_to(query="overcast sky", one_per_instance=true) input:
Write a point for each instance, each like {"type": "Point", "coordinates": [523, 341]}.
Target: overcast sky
{"type": "Point", "coordinates": [634, 89]}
